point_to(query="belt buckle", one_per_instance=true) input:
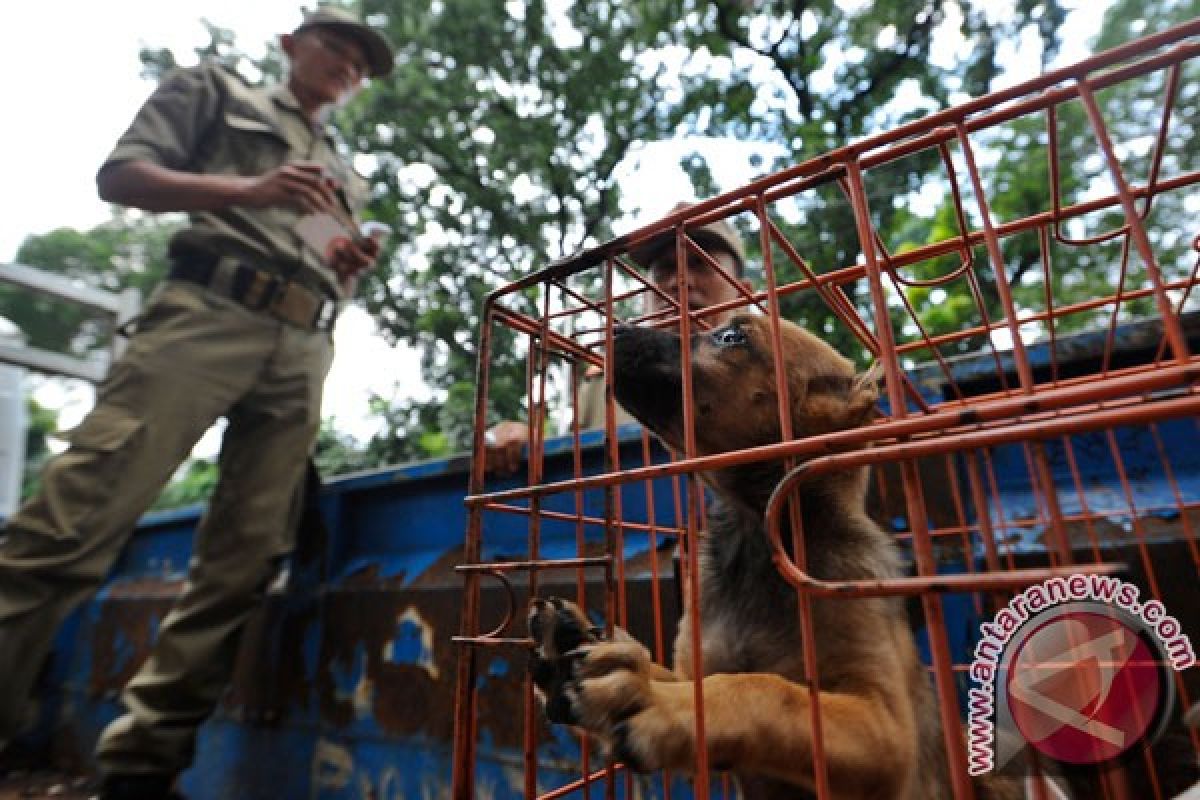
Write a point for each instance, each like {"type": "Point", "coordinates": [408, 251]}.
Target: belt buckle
{"type": "Point", "coordinates": [296, 304]}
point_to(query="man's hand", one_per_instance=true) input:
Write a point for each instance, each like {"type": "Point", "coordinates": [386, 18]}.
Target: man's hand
{"type": "Point", "coordinates": [301, 185]}
{"type": "Point", "coordinates": [504, 442]}
{"type": "Point", "coordinates": [348, 258]}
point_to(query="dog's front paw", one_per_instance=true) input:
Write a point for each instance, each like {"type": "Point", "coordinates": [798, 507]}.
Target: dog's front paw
{"type": "Point", "coordinates": [560, 629]}
{"type": "Point", "coordinates": [609, 682]}
{"type": "Point", "coordinates": [646, 723]}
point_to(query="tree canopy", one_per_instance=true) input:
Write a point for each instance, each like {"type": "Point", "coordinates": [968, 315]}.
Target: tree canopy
{"type": "Point", "coordinates": [496, 146]}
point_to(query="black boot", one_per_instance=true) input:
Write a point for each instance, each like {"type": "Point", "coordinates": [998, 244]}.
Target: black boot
{"type": "Point", "coordinates": [18, 757]}
{"type": "Point", "coordinates": [139, 787]}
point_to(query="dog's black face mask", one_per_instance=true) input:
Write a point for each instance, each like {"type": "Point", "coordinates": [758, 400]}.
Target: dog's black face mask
{"type": "Point", "coordinates": [647, 376]}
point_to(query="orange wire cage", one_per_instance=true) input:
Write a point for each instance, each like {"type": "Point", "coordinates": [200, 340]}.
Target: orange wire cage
{"type": "Point", "coordinates": [1038, 417]}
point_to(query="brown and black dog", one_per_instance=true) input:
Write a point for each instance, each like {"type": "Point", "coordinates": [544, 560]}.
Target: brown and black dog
{"type": "Point", "coordinates": [882, 736]}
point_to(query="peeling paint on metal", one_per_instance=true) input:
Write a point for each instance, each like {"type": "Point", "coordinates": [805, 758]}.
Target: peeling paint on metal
{"type": "Point", "coordinates": [413, 643]}
{"type": "Point", "coordinates": [332, 766]}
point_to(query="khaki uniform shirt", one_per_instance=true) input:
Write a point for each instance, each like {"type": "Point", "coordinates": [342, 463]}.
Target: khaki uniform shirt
{"type": "Point", "coordinates": [205, 120]}
{"type": "Point", "coordinates": [591, 402]}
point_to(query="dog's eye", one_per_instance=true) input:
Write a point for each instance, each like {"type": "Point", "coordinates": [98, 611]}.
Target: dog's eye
{"type": "Point", "coordinates": [729, 336]}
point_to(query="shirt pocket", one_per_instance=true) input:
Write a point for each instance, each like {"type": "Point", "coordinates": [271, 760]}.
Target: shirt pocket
{"type": "Point", "coordinates": [246, 144]}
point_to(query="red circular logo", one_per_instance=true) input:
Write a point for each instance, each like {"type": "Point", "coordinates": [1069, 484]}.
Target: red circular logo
{"type": "Point", "coordinates": [1084, 687]}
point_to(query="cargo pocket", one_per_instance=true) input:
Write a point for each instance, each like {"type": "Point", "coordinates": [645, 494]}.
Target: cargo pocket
{"type": "Point", "coordinates": [83, 481]}
{"type": "Point", "coordinates": [106, 430]}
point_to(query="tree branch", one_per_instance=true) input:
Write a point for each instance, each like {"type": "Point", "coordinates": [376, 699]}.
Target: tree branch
{"type": "Point", "coordinates": [790, 69]}
{"type": "Point", "coordinates": [887, 68]}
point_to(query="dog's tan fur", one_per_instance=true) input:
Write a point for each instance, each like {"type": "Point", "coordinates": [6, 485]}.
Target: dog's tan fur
{"type": "Point", "coordinates": [882, 738]}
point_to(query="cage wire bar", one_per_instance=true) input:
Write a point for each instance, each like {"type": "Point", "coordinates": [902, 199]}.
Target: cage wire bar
{"type": "Point", "coordinates": [986, 457]}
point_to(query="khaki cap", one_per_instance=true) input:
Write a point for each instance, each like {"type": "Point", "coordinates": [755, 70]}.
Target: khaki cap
{"type": "Point", "coordinates": [719, 234]}
{"type": "Point", "coordinates": [380, 58]}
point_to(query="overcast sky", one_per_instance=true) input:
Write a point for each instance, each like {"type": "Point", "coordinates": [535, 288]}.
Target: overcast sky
{"type": "Point", "coordinates": [72, 84]}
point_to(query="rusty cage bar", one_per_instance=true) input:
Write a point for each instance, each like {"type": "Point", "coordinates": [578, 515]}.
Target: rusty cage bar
{"type": "Point", "coordinates": [1045, 428]}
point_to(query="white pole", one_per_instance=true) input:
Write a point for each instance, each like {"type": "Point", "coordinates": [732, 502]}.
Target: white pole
{"type": "Point", "coordinates": [13, 427]}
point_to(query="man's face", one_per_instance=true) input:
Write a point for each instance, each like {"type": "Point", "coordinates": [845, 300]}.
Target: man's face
{"type": "Point", "coordinates": [326, 65]}
{"type": "Point", "coordinates": [705, 287]}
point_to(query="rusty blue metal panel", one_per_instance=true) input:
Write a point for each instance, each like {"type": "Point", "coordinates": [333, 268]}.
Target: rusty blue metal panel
{"type": "Point", "coordinates": [1021, 515]}
{"type": "Point", "coordinates": [344, 687]}
{"type": "Point", "coordinates": [247, 762]}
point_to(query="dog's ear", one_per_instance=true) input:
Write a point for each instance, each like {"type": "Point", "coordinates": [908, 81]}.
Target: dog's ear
{"type": "Point", "coordinates": [827, 404]}
{"type": "Point", "coordinates": [864, 395]}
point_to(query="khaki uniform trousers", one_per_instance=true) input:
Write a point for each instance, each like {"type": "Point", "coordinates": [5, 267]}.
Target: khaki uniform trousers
{"type": "Point", "coordinates": [196, 356]}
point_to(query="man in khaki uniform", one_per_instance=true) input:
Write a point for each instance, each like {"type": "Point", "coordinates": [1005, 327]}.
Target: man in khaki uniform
{"type": "Point", "coordinates": [505, 440]}
{"type": "Point", "coordinates": [241, 329]}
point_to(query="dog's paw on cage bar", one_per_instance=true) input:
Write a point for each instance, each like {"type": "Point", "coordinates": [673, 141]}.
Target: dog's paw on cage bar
{"type": "Point", "coordinates": [916, 523]}
{"type": "Point", "coordinates": [559, 629]}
